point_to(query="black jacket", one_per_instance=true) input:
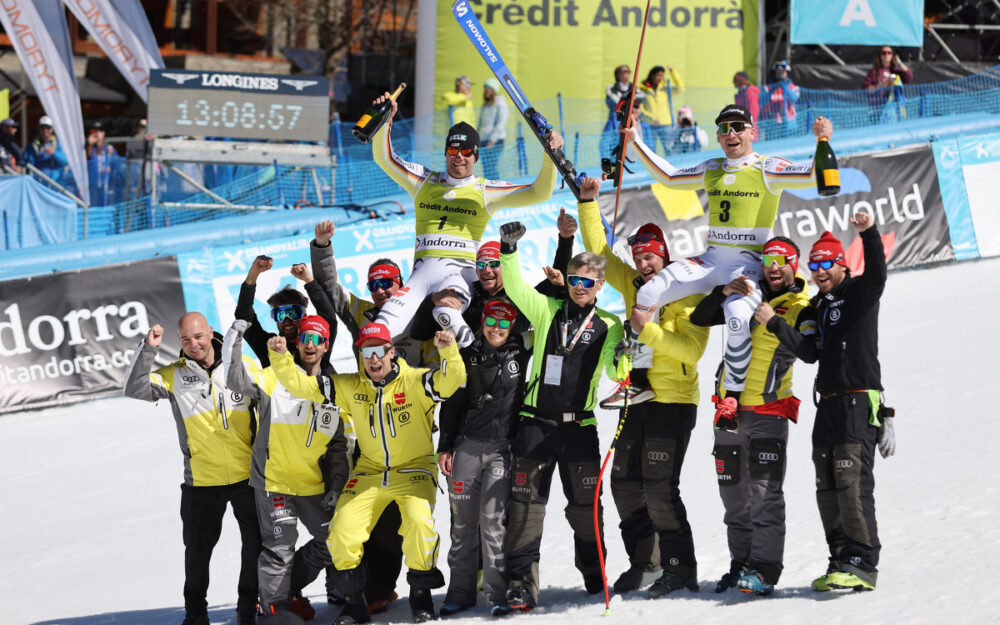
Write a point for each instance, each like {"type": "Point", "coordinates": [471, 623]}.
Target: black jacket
{"type": "Point", "coordinates": [424, 325]}
{"type": "Point", "coordinates": [486, 408]}
{"type": "Point", "coordinates": [256, 337]}
{"type": "Point", "coordinates": [847, 323]}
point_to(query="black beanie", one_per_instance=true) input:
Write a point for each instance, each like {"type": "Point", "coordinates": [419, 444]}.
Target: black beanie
{"type": "Point", "coordinates": [464, 137]}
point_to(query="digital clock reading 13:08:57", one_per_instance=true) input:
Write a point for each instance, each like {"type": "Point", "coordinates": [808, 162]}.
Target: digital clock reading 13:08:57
{"type": "Point", "coordinates": [245, 106]}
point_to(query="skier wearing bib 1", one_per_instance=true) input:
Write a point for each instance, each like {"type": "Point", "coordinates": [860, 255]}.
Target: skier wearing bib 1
{"type": "Point", "coordinates": [743, 191]}
{"type": "Point", "coordinates": [452, 211]}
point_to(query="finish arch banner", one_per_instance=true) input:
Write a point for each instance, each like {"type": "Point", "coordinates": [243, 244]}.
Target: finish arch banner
{"type": "Point", "coordinates": [858, 22]}
{"type": "Point", "coordinates": [572, 46]}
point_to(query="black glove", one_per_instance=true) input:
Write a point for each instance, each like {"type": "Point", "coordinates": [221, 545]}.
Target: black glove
{"type": "Point", "coordinates": [510, 234]}
{"type": "Point", "coordinates": [329, 501]}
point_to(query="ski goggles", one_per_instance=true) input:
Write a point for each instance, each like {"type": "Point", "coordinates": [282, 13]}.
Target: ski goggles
{"type": "Point", "coordinates": [587, 283]}
{"type": "Point", "coordinates": [293, 312]}
{"type": "Point", "coordinates": [493, 321]}
{"type": "Point", "coordinates": [308, 338]}
{"type": "Point", "coordinates": [378, 351]}
{"type": "Point", "coordinates": [777, 259]}
{"type": "Point", "coordinates": [824, 264]}
{"type": "Point", "coordinates": [381, 283]}
{"type": "Point", "coordinates": [483, 264]}
{"type": "Point", "coordinates": [726, 127]}
{"type": "Point", "coordinates": [642, 237]}
{"type": "Point", "coordinates": [466, 152]}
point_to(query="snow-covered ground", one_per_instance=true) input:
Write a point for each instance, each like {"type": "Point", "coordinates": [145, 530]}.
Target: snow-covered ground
{"type": "Point", "coordinates": [92, 534]}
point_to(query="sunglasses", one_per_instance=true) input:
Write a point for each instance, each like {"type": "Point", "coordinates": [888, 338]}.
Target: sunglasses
{"type": "Point", "coordinates": [483, 264]}
{"type": "Point", "coordinates": [886, 52]}
{"type": "Point", "coordinates": [737, 127]}
{"type": "Point", "coordinates": [312, 339]}
{"type": "Point", "coordinates": [382, 283]}
{"type": "Point", "coordinates": [493, 321]}
{"type": "Point", "coordinates": [644, 237]}
{"type": "Point", "coordinates": [776, 259]}
{"type": "Point", "coordinates": [825, 264]}
{"type": "Point", "coordinates": [293, 312]}
{"type": "Point", "coordinates": [377, 351]}
{"type": "Point", "coordinates": [466, 152]}
{"type": "Point", "coordinates": [587, 283]}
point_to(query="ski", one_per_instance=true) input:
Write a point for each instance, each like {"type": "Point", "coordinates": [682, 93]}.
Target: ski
{"type": "Point", "coordinates": [474, 30]}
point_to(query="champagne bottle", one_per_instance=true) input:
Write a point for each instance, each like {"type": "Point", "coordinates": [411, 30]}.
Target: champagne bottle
{"type": "Point", "coordinates": [827, 174]}
{"type": "Point", "coordinates": [375, 117]}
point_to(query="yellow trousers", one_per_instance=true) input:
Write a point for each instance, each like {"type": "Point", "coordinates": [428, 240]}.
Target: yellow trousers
{"type": "Point", "coordinates": [361, 504]}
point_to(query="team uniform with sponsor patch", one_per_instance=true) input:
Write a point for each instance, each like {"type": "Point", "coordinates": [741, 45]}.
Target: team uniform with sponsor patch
{"type": "Point", "coordinates": [743, 199]}
{"type": "Point", "coordinates": [750, 461]}
{"type": "Point", "coordinates": [451, 216]}
{"type": "Point", "coordinates": [215, 427]}
{"type": "Point", "coordinates": [393, 421]}
{"type": "Point", "coordinates": [299, 454]}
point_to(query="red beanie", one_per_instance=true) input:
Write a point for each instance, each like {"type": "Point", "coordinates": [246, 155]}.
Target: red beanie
{"type": "Point", "coordinates": [828, 248]}
{"type": "Point", "coordinates": [377, 272]}
{"type": "Point", "coordinates": [776, 247]}
{"type": "Point", "coordinates": [315, 323]}
{"type": "Point", "coordinates": [373, 330]}
{"type": "Point", "coordinates": [649, 238]}
{"type": "Point", "coordinates": [489, 251]}
{"type": "Point", "coordinates": [499, 309]}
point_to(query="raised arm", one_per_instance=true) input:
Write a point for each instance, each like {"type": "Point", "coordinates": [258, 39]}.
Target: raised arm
{"type": "Point", "coordinates": [255, 335]}
{"type": "Point", "coordinates": [293, 378]}
{"type": "Point", "coordinates": [406, 174]}
{"type": "Point", "coordinates": [618, 274]}
{"type": "Point", "coordinates": [235, 368]}
{"type": "Point", "coordinates": [324, 269]}
{"type": "Point", "coordinates": [780, 173]}
{"type": "Point", "coordinates": [530, 302]}
{"type": "Point", "coordinates": [140, 382]}
{"type": "Point", "coordinates": [506, 195]}
{"type": "Point", "coordinates": [661, 169]}
{"type": "Point", "coordinates": [442, 382]}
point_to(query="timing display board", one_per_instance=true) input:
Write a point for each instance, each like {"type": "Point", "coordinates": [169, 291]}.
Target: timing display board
{"type": "Point", "coordinates": [239, 106]}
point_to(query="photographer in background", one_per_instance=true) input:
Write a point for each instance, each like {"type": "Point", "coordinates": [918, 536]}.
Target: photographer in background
{"type": "Point", "coordinates": [885, 68]}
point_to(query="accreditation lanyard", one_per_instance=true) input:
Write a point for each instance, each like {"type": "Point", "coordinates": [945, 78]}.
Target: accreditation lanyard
{"type": "Point", "coordinates": [576, 337]}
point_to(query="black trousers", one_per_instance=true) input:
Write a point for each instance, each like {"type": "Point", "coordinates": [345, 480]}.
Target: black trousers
{"type": "Point", "coordinates": [844, 455]}
{"type": "Point", "coordinates": [538, 449]}
{"type": "Point", "coordinates": [645, 483]}
{"type": "Point", "coordinates": [202, 509]}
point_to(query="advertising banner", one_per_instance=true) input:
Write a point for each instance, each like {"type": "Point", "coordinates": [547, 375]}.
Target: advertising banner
{"type": "Point", "coordinates": [118, 40]}
{"type": "Point", "coordinates": [899, 187]}
{"type": "Point", "coordinates": [858, 22]}
{"type": "Point", "coordinates": [69, 336]}
{"type": "Point", "coordinates": [980, 162]}
{"type": "Point", "coordinates": [37, 30]}
{"type": "Point", "coordinates": [573, 46]}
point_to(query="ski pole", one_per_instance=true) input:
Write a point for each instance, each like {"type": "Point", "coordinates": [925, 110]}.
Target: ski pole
{"type": "Point", "coordinates": [597, 492]}
{"type": "Point", "coordinates": [628, 124]}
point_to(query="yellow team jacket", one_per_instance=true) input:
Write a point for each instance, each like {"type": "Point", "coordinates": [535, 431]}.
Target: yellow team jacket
{"type": "Point", "coordinates": [393, 420]}
{"type": "Point", "coordinates": [656, 103]}
{"type": "Point", "coordinates": [677, 343]}
{"type": "Point", "coordinates": [462, 109]}
{"type": "Point", "coordinates": [214, 423]}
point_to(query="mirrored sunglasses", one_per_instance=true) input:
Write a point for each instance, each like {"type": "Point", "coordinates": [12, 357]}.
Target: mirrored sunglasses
{"type": "Point", "coordinates": [643, 237]}
{"type": "Point", "coordinates": [382, 283]}
{"type": "Point", "coordinates": [493, 321]}
{"type": "Point", "coordinates": [776, 259]}
{"type": "Point", "coordinates": [483, 264]}
{"type": "Point", "coordinates": [825, 264]}
{"type": "Point", "coordinates": [377, 351]}
{"type": "Point", "coordinates": [308, 338]}
{"type": "Point", "coordinates": [737, 127]}
{"type": "Point", "coordinates": [466, 152]}
{"type": "Point", "coordinates": [587, 283]}
{"type": "Point", "coordinates": [293, 312]}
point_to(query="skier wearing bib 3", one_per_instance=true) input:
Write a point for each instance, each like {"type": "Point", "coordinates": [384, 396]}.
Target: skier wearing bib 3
{"type": "Point", "coordinates": [452, 211]}
{"type": "Point", "coordinates": [743, 191]}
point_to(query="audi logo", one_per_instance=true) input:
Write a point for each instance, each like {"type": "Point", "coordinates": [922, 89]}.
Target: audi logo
{"type": "Point", "coordinates": [768, 456]}
{"type": "Point", "coordinates": [843, 464]}
{"type": "Point", "coordinates": [360, 397]}
{"type": "Point", "coordinates": [590, 481]}
{"type": "Point", "coordinates": [658, 456]}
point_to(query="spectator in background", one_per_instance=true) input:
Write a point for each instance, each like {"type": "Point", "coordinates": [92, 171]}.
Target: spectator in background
{"type": "Point", "coordinates": [747, 96]}
{"type": "Point", "coordinates": [687, 137]}
{"type": "Point", "coordinates": [492, 126]}
{"type": "Point", "coordinates": [885, 68]}
{"type": "Point", "coordinates": [656, 117]}
{"type": "Point", "coordinates": [8, 140]}
{"type": "Point", "coordinates": [45, 153]}
{"type": "Point", "coordinates": [459, 102]}
{"type": "Point", "coordinates": [781, 95]}
{"type": "Point", "coordinates": [612, 95]}
{"type": "Point", "coordinates": [100, 157]}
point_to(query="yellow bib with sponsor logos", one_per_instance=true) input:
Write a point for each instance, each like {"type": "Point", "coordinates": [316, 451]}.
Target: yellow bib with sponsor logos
{"type": "Point", "coordinates": [741, 209]}
{"type": "Point", "coordinates": [450, 220]}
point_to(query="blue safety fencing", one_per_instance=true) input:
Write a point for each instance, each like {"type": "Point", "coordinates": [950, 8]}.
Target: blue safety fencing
{"type": "Point", "coordinates": [120, 188]}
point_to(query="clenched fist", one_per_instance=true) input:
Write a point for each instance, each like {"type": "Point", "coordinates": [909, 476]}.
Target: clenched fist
{"type": "Point", "coordinates": [324, 232]}
{"type": "Point", "coordinates": [155, 336]}
{"type": "Point", "coordinates": [277, 344]}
